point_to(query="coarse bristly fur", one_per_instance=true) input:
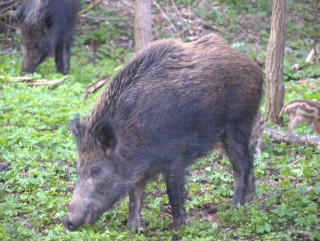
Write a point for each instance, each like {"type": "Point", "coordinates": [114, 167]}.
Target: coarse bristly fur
{"type": "Point", "coordinates": [168, 106]}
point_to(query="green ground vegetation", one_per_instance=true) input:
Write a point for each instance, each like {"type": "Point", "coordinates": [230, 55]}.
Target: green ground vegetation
{"type": "Point", "coordinates": [36, 141]}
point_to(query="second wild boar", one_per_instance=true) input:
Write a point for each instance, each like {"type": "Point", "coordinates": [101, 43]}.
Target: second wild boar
{"type": "Point", "coordinates": [47, 28]}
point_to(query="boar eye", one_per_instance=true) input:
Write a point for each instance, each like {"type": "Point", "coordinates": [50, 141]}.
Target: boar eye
{"type": "Point", "coordinates": [95, 171]}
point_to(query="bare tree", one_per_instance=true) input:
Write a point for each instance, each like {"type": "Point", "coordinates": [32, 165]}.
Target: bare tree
{"type": "Point", "coordinates": [274, 63]}
{"type": "Point", "coordinates": [142, 24]}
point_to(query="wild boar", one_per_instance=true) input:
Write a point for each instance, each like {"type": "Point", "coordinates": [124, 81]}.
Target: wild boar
{"type": "Point", "coordinates": [47, 28]}
{"type": "Point", "coordinates": [167, 107]}
{"type": "Point", "coordinates": [300, 110]}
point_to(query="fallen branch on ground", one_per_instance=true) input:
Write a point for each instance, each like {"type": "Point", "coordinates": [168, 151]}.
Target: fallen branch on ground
{"type": "Point", "coordinates": [47, 82]}
{"type": "Point", "coordinates": [31, 81]}
{"type": "Point", "coordinates": [297, 67]}
{"type": "Point", "coordinates": [310, 60]}
{"type": "Point", "coordinates": [292, 138]}
{"type": "Point", "coordinates": [93, 87]}
{"type": "Point", "coordinates": [91, 6]}
{"type": "Point", "coordinates": [18, 79]}
{"type": "Point", "coordinates": [313, 54]}
{"type": "Point", "coordinates": [104, 19]}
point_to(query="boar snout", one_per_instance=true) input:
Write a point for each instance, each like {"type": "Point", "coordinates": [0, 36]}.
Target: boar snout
{"type": "Point", "coordinates": [80, 213]}
{"type": "Point", "coordinates": [27, 68]}
{"type": "Point", "coordinates": [27, 71]}
{"type": "Point", "coordinates": [77, 211]}
{"type": "Point", "coordinates": [70, 224]}
{"type": "Point", "coordinates": [30, 61]}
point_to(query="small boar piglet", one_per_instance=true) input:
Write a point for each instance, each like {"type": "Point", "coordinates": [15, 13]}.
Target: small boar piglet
{"type": "Point", "coordinates": [166, 108]}
{"type": "Point", "coordinates": [302, 110]}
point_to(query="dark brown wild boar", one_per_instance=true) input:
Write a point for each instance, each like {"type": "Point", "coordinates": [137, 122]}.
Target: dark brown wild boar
{"type": "Point", "coordinates": [47, 28]}
{"type": "Point", "coordinates": [168, 106]}
{"type": "Point", "coordinates": [300, 110]}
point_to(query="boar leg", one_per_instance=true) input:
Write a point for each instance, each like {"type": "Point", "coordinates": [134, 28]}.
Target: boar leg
{"type": "Point", "coordinates": [66, 57]}
{"type": "Point", "coordinates": [237, 145]}
{"type": "Point", "coordinates": [175, 189]}
{"type": "Point", "coordinates": [250, 187]}
{"type": "Point", "coordinates": [258, 148]}
{"type": "Point", "coordinates": [292, 124]}
{"type": "Point", "coordinates": [315, 127]}
{"type": "Point", "coordinates": [135, 203]}
{"type": "Point", "coordinates": [60, 58]}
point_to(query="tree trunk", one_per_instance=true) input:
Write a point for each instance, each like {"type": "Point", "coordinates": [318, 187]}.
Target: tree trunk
{"type": "Point", "coordinates": [274, 63]}
{"type": "Point", "coordinates": [142, 24]}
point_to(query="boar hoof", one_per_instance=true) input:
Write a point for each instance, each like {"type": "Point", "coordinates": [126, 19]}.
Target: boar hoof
{"type": "Point", "coordinates": [182, 220]}
{"type": "Point", "coordinates": [134, 224]}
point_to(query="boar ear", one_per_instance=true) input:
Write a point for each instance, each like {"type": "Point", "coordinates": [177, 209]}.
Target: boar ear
{"type": "Point", "coordinates": [105, 133]}
{"type": "Point", "coordinates": [77, 128]}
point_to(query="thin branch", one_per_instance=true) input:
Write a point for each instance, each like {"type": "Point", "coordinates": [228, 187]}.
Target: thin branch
{"type": "Point", "coordinates": [195, 3]}
{"type": "Point", "coordinates": [312, 55]}
{"type": "Point", "coordinates": [18, 79]}
{"type": "Point", "coordinates": [10, 7]}
{"type": "Point", "coordinates": [164, 15]}
{"type": "Point", "coordinates": [94, 87]}
{"type": "Point", "coordinates": [92, 5]}
{"type": "Point", "coordinates": [296, 67]}
{"type": "Point", "coordinates": [103, 19]}
{"type": "Point", "coordinates": [210, 26]}
{"type": "Point", "coordinates": [8, 26]}
{"type": "Point", "coordinates": [46, 82]}
{"type": "Point", "coordinates": [291, 77]}
{"type": "Point", "coordinates": [7, 3]}
{"type": "Point", "coordinates": [9, 13]}
{"type": "Point", "coordinates": [4, 40]}
{"type": "Point", "coordinates": [303, 233]}
{"type": "Point", "coordinates": [31, 81]}
{"type": "Point", "coordinates": [177, 11]}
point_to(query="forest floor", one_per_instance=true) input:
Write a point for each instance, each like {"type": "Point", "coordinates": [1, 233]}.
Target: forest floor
{"type": "Point", "coordinates": [41, 151]}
